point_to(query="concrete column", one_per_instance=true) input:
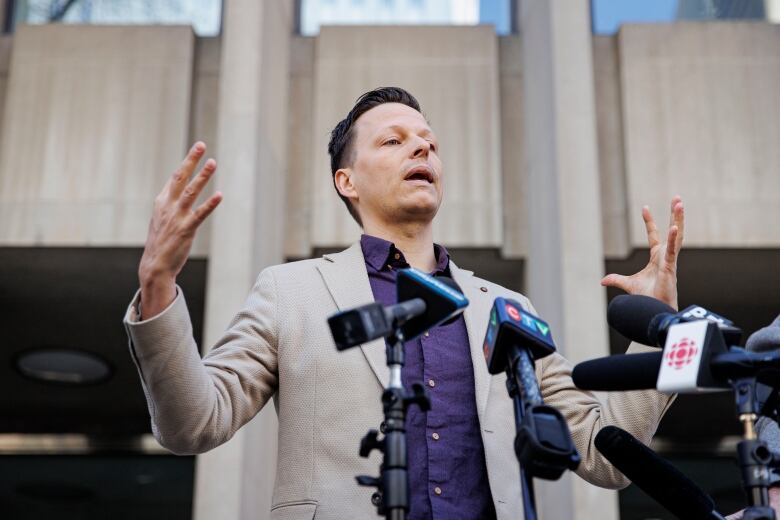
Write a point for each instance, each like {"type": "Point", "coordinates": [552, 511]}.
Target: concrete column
{"type": "Point", "coordinates": [235, 481]}
{"type": "Point", "coordinates": [566, 253]}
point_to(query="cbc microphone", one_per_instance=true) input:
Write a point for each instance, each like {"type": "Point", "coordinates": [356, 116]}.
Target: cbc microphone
{"type": "Point", "coordinates": [620, 372]}
{"type": "Point", "coordinates": [654, 475]}
{"type": "Point", "coordinates": [646, 320]}
{"type": "Point", "coordinates": [424, 302]}
{"type": "Point", "coordinates": [694, 359]}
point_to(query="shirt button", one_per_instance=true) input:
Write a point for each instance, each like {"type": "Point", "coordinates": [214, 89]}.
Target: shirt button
{"type": "Point", "coordinates": [427, 334]}
{"type": "Point", "coordinates": [435, 436]}
{"type": "Point", "coordinates": [431, 383]}
{"type": "Point", "coordinates": [483, 289]}
{"type": "Point", "coordinates": [437, 490]}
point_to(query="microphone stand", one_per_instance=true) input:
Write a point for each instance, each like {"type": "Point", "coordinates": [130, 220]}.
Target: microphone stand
{"type": "Point", "coordinates": [544, 452]}
{"type": "Point", "coordinates": [753, 455]}
{"type": "Point", "coordinates": [392, 496]}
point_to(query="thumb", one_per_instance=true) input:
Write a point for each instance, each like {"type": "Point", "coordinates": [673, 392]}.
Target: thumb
{"type": "Point", "coordinates": [616, 280]}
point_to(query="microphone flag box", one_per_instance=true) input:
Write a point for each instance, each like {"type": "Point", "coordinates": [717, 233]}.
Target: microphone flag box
{"type": "Point", "coordinates": [511, 324]}
{"type": "Point", "coordinates": [442, 301]}
{"type": "Point", "coordinates": [685, 366]}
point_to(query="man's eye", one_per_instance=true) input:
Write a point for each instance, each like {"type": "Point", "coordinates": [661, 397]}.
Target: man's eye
{"type": "Point", "coordinates": [393, 141]}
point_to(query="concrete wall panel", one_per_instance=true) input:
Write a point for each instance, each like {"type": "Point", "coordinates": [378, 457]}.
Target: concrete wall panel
{"type": "Point", "coordinates": [5, 61]}
{"type": "Point", "coordinates": [609, 122]}
{"type": "Point", "coordinates": [514, 173]}
{"type": "Point", "coordinates": [453, 71]}
{"type": "Point", "coordinates": [96, 118]}
{"type": "Point", "coordinates": [701, 117]}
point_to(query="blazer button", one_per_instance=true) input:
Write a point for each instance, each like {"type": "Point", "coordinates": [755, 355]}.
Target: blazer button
{"type": "Point", "coordinates": [382, 427]}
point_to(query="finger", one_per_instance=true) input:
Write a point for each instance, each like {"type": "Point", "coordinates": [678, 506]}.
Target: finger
{"type": "Point", "coordinates": [678, 216]}
{"type": "Point", "coordinates": [193, 189]}
{"type": "Point", "coordinates": [616, 280]}
{"type": "Point", "coordinates": [204, 210]}
{"type": "Point", "coordinates": [184, 171]}
{"type": "Point", "coordinates": [675, 200]}
{"type": "Point", "coordinates": [652, 230]}
{"type": "Point", "coordinates": [670, 257]}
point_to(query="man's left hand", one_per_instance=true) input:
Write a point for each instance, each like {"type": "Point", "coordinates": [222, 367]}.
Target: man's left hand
{"type": "Point", "coordinates": [659, 278]}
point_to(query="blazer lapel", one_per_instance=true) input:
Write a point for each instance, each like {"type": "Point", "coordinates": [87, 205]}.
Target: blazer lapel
{"type": "Point", "coordinates": [346, 278]}
{"type": "Point", "coordinates": [476, 317]}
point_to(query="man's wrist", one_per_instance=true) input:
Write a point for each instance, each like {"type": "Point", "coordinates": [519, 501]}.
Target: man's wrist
{"type": "Point", "coordinates": [156, 295]}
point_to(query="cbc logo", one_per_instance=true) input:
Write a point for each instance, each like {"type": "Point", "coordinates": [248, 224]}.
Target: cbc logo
{"type": "Point", "coordinates": [681, 353]}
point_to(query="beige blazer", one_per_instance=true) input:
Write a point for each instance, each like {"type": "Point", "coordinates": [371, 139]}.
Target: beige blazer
{"type": "Point", "coordinates": [279, 345]}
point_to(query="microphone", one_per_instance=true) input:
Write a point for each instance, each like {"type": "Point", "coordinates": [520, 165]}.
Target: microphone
{"type": "Point", "coordinates": [637, 317]}
{"type": "Point", "coordinates": [646, 320]}
{"type": "Point", "coordinates": [424, 302]}
{"type": "Point", "coordinates": [694, 359]}
{"type": "Point", "coordinates": [514, 339]}
{"type": "Point", "coordinates": [654, 475]}
{"type": "Point", "coordinates": [765, 339]}
{"type": "Point", "coordinates": [619, 372]}
{"type": "Point", "coordinates": [511, 330]}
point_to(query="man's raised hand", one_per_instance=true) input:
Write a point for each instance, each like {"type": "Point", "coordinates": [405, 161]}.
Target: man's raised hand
{"type": "Point", "coordinates": [659, 278]}
{"type": "Point", "coordinates": [172, 230]}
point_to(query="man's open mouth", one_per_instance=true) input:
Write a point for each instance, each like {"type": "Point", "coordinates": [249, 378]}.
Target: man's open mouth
{"type": "Point", "coordinates": [420, 173]}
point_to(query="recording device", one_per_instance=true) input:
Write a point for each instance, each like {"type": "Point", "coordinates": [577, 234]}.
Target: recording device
{"type": "Point", "coordinates": [695, 359]}
{"type": "Point", "coordinates": [654, 475]}
{"type": "Point", "coordinates": [511, 330]}
{"type": "Point", "coordinates": [543, 444]}
{"type": "Point", "coordinates": [646, 320]}
{"type": "Point", "coordinates": [424, 302]}
{"type": "Point", "coordinates": [765, 339]}
{"type": "Point", "coordinates": [620, 372]}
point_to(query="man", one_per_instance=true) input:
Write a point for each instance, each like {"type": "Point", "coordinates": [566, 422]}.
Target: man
{"type": "Point", "coordinates": [385, 165]}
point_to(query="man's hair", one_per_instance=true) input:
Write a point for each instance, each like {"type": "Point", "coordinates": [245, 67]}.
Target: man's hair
{"type": "Point", "coordinates": [340, 147]}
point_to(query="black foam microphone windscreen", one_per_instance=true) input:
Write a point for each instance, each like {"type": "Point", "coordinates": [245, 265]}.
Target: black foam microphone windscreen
{"type": "Point", "coordinates": [654, 475]}
{"type": "Point", "coordinates": [619, 372]}
{"type": "Point", "coordinates": [632, 315]}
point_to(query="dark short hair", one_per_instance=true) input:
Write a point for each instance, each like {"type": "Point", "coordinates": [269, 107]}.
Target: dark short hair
{"type": "Point", "coordinates": [342, 136]}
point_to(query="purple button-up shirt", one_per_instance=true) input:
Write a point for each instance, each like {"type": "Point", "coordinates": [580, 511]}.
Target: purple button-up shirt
{"type": "Point", "coordinates": [447, 472]}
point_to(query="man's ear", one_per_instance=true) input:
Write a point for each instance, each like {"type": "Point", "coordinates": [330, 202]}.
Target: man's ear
{"type": "Point", "coordinates": [343, 181]}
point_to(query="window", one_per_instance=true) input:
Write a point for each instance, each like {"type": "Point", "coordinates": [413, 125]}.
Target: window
{"type": "Point", "coordinates": [205, 16]}
{"type": "Point", "coordinates": [608, 15]}
{"type": "Point", "coordinates": [315, 13]}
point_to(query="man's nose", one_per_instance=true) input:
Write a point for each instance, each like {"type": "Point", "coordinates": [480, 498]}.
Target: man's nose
{"type": "Point", "coordinates": [422, 148]}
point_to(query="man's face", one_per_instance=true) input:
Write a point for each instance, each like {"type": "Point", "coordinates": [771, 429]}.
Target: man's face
{"type": "Point", "coordinates": [396, 172]}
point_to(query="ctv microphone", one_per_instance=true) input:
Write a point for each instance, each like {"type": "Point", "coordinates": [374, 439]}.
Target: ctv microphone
{"type": "Point", "coordinates": [424, 302]}
{"type": "Point", "coordinates": [654, 475]}
{"type": "Point", "coordinates": [646, 320]}
{"type": "Point", "coordinates": [514, 339]}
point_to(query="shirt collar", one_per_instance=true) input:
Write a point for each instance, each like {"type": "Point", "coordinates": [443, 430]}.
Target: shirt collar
{"type": "Point", "coordinates": [380, 253]}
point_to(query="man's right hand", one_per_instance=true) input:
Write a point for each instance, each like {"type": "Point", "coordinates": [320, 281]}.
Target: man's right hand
{"type": "Point", "coordinates": [172, 230]}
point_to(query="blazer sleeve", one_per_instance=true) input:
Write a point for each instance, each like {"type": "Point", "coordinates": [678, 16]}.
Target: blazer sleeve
{"type": "Point", "coordinates": [638, 412]}
{"type": "Point", "coordinates": [197, 404]}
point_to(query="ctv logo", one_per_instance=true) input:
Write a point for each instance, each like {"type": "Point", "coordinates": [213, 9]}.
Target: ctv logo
{"type": "Point", "coordinates": [681, 353]}
{"type": "Point", "coordinates": [513, 313]}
